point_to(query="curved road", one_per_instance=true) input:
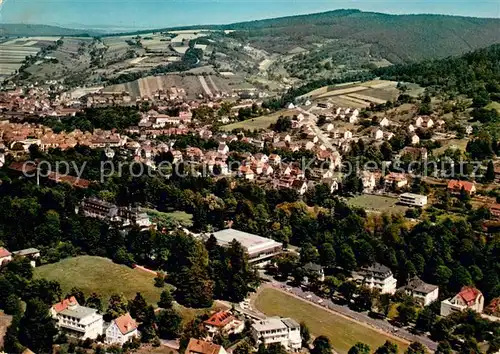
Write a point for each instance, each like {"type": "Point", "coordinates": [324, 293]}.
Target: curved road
{"type": "Point", "coordinates": [382, 325]}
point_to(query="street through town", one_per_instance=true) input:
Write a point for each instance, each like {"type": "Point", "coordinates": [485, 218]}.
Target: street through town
{"type": "Point", "coordinates": [381, 325]}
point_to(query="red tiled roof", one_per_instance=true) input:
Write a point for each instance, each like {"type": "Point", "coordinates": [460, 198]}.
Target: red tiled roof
{"type": "Point", "coordinates": [197, 346]}
{"type": "Point", "coordinates": [126, 323]}
{"type": "Point", "coordinates": [63, 305]}
{"type": "Point", "coordinates": [458, 185]}
{"type": "Point", "coordinates": [220, 319]}
{"type": "Point", "coordinates": [4, 253]}
{"type": "Point", "coordinates": [469, 294]}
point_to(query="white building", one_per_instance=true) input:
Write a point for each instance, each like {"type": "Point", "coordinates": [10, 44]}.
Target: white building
{"type": "Point", "coordinates": [411, 199]}
{"type": "Point", "coordinates": [284, 331]}
{"type": "Point", "coordinates": [377, 276]}
{"type": "Point", "coordinates": [384, 122]}
{"type": "Point", "coordinates": [377, 134]}
{"type": "Point", "coordinates": [259, 249]}
{"type": "Point", "coordinates": [31, 253]}
{"type": "Point", "coordinates": [467, 298]}
{"type": "Point", "coordinates": [223, 322]}
{"type": "Point", "coordinates": [368, 180]}
{"type": "Point", "coordinates": [121, 330]}
{"type": "Point", "coordinates": [77, 321]}
{"type": "Point", "coordinates": [415, 139]}
{"type": "Point", "coordinates": [423, 293]}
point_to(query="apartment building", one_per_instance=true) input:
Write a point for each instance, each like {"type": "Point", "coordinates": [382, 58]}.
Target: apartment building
{"type": "Point", "coordinates": [411, 199]}
{"type": "Point", "coordinates": [377, 276]}
{"type": "Point", "coordinates": [77, 321]}
{"type": "Point", "coordinates": [284, 331]}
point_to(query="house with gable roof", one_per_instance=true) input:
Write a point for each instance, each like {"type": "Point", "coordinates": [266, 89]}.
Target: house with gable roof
{"type": "Point", "coordinates": [198, 346]}
{"type": "Point", "coordinates": [468, 298]}
{"type": "Point", "coordinates": [121, 330]}
{"type": "Point", "coordinates": [223, 322]}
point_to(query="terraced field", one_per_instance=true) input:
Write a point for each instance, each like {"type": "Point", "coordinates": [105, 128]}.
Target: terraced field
{"type": "Point", "coordinates": [14, 52]}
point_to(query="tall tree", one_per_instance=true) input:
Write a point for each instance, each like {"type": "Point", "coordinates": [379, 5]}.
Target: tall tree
{"type": "Point", "coordinates": [94, 301]}
{"type": "Point", "coordinates": [166, 299]}
{"type": "Point", "coordinates": [305, 334]}
{"type": "Point", "coordinates": [359, 348]}
{"type": "Point", "coordinates": [137, 307]}
{"type": "Point", "coordinates": [36, 329]}
{"type": "Point", "coordinates": [416, 348]}
{"type": "Point", "coordinates": [490, 172]}
{"type": "Point", "coordinates": [387, 348]}
{"type": "Point", "coordinates": [169, 324]}
{"type": "Point", "coordinates": [321, 345]}
{"type": "Point", "coordinates": [117, 306]}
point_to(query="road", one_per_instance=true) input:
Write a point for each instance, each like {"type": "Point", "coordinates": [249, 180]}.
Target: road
{"type": "Point", "coordinates": [311, 121]}
{"type": "Point", "coordinates": [382, 325]}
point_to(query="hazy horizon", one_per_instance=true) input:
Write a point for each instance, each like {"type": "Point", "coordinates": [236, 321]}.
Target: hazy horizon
{"type": "Point", "coordinates": [143, 14]}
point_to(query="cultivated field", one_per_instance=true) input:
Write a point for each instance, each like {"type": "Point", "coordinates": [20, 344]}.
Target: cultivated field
{"type": "Point", "coordinates": [192, 84]}
{"type": "Point", "coordinates": [100, 275]}
{"type": "Point", "coordinates": [343, 332]}
{"type": "Point", "coordinates": [15, 51]}
{"type": "Point", "coordinates": [260, 122]}
{"type": "Point", "coordinates": [361, 94]}
{"type": "Point", "coordinates": [377, 203]}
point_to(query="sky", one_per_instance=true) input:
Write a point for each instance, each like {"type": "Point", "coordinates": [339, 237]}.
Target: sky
{"type": "Point", "coordinates": [137, 14]}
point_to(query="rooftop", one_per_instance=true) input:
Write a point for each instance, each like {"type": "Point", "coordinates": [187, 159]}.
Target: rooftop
{"type": "Point", "coordinates": [252, 243]}
{"type": "Point", "coordinates": [419, 286]}
{"type": "Point", "coordinates": [271, 323]}
{"type": "Point", "coordinates": [63, 305]}
{"type": "Point", "coordinates": [378, 269]}
{"type": "Point", "coordinates": [78, 311]}
{"type": "Point", "coordinates": [126, 323]}
{"type": "Point", "coordinates": [220, 319]}
{"type": "Point", "coordinates": [26, 252]}
{"type": "Point", "coordinates": [4, 252]}
{"type": "Point", "coordinates": [198, 346]}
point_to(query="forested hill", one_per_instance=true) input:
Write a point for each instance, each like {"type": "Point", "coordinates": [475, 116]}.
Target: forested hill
{"type": "Point", "coordinates": [20, 30]}
{"type": "Point", "coordinates": [471, 73]}
{"type": "Point", "coordinates": [398, 38]}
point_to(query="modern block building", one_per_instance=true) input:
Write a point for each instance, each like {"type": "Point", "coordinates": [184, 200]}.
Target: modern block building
{"type": "Point", "coordinates": [77, 321]}
{"type": "Point", "coordinates": [259, 249]}
{"type": "Point", "coordinates": [284, 331]}
{"type": "Point", "coordinates": [411, 199]}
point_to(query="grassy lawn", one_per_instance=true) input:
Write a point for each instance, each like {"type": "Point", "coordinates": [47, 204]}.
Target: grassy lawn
{"type": "Point", "coordinates": [262, 122]}
{"type": "Point", "coordinates": [377, 203]}
{"type": "Point", "coordinates": [459, 144]}
{"type": "Point", "coordinates": [174, 217]}
{"type": "Point", "coordinates": [100, 275]}
{"type": "Point", "coordinates": [342, 332]}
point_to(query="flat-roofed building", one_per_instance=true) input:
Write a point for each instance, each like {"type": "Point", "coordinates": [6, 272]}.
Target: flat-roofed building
{"type": "Point", "coordinates": [77, 321]}
{"type": "Point", "coordinates": [411, 199]}
{"type": "Point", "coordinates": [284, 331]}
{"type": "Point", "coordinates": [31, 253]}
{"type": "Point", "coordinates": [259, 249]}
